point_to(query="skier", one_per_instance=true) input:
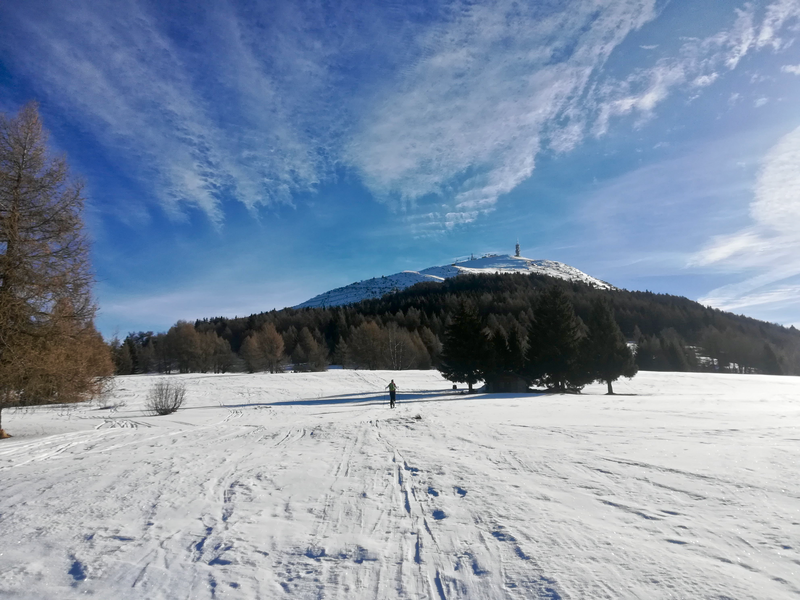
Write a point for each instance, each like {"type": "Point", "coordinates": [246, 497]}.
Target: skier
{"type": "Point", "coordinates": [392, 392]}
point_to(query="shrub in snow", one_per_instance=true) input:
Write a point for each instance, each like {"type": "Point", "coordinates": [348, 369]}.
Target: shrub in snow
{"type": "Point", "coordinates": [165, 397]}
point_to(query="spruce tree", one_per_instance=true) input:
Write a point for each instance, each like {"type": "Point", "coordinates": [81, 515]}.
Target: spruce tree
{"type": "Point", "coordinates": [554, 339]}
{"type": "Point", "coordinates": [606, 353]}
{"type": "Point", "coordinates": [465, 349]}
{"type": "Point", "coordinates": [497, 360]}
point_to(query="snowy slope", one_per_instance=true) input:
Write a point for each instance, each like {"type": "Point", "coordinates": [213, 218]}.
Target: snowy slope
{"type": "Point", "coordinates": [379, 286]}
{"type": "Point", "coordinates": [308, 486]}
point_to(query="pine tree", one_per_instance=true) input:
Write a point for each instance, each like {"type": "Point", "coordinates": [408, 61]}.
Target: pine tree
{"type": "Point", "coordinates": [465, 348]}
{"type": "Point", "coordinates": [515, 357]}
{"type": "Point", "coordinates": [554, 339]}
{"type": "Point", "coordinates": [606, 353]}
{"type": "Point", "coordinates": [123, 362]}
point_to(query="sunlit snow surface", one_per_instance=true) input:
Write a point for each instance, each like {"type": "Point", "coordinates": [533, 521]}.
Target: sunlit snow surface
{"type": "Point", "coordinates": [379, 286]}
{"type": "Point", "coordinates": [309, 486]}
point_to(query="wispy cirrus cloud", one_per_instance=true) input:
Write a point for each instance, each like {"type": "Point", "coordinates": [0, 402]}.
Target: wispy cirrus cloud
{"type": "Point", "coordinates": [698, 63]}
{"type": "Point", "coordinates": [465, 122]}
{"type": "Point", "coordinates": [234, 130]}
{"type": "Point", "coordinates": [441, 108]}
{"type": "Point", "coordinates": [464, 125]}
{"type": "Point", "coordinates": [769, 249]}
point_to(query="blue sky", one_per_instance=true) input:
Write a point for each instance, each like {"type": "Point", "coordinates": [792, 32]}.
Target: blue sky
{"type": "Point", "coordinates": [242, 156]}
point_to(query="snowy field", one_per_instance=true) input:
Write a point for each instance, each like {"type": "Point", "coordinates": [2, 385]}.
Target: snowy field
{"type": "Point", "coordinates": [309, 486]}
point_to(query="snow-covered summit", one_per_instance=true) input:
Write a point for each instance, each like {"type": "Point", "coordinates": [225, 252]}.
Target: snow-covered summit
{"type": "Point", "coordinates": [490, 263]}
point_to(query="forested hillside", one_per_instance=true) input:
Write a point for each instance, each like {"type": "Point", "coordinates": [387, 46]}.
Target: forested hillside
{"type": "Point", "coordinates": [405, 330]}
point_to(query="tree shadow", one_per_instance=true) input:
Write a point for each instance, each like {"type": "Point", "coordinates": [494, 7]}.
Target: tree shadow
{"type": "Point", "coordinates": [378, 399]}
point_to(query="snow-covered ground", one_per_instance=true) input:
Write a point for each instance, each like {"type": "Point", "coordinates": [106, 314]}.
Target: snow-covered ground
{"type": "Point", "coordinates": [309, 486]}
{"type": "Point", "coordinates": [493, 263]}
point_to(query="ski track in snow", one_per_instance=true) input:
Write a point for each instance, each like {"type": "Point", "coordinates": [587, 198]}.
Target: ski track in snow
{"type": "Point", "coordinates": [308, 486]}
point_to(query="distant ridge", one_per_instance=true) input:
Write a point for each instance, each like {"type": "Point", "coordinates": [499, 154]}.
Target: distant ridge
{"type": "Point", "coordinates": [490, 263]}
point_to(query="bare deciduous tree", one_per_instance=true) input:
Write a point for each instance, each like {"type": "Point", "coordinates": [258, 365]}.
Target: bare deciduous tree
{"type": "Point", "coordinates": [49, 349]}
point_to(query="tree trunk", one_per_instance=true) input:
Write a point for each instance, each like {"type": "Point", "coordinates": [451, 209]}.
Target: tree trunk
{"type": "Point", "coordinates": [610, 389]}
{"type": "Point", "coordinates": [3, 434]}
{"type": "Point", "coordinates": [469, 383]}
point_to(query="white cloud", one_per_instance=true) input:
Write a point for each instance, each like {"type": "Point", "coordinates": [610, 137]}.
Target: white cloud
{"type": "Point", "coordinates": [794, 69]}
{"type": "Point", "coordinates": [760, 102]}
{"type": "Point", "coordinates": [467, 120]}
{"type": "Point", "coordinates": [778, 14]}
{"type": "Point", "coordinates": [705, 80]}
{"type": "Point", "coordinates": [261, 103]}
{"type": "Point", "coordinates": [770, 247]}
{"type": "Point", "coordinates": [190, 140]}
{"type": "Point", "coordinates": [698, 64]}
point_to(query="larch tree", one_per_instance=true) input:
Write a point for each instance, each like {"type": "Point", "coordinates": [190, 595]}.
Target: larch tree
{"type": "Point", "coordinates": [365, 348]}
{"type": "Point", "coordinates": [270, 343]}
{"type": "Point", "coordinates": [50, 352]}
{"type": "Point", "coordinates": [251, 355]}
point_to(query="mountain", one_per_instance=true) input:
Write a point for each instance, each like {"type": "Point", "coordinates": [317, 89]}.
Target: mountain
{"type": "Point", "coordinates": [490, 263]}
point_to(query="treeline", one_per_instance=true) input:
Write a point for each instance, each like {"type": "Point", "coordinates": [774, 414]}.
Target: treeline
{"type": "Point", "coordinates": [405, 330]}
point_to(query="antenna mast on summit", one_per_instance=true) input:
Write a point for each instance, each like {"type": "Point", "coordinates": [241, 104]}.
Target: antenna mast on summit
{"type": "Point", "coordinates": [516, 252]}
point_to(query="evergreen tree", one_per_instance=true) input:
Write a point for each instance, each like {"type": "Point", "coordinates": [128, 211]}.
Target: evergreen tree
{"type": "Point", "coordinates": [123, 363]}
{"type": "Point", "coordinates": [515, 354]}
{"type": "Point", "coordinates": [606, 354]}
{"type": "Point", "coordinates": [649, 355]}
{"type": "Point", "coordinates": [678, 356]}
{"type": "Point", "coordinates": [132, 351]}
{"type": "Point", "coordinates": [497, 353]}
{"type": "Point", "coordinates": [465, 348]}
{"type": "Point", "coordinates": [554, 339]}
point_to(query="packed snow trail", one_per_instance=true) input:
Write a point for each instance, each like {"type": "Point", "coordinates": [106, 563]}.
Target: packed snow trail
{"type": "Point", "coordinates": [308, 486]}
